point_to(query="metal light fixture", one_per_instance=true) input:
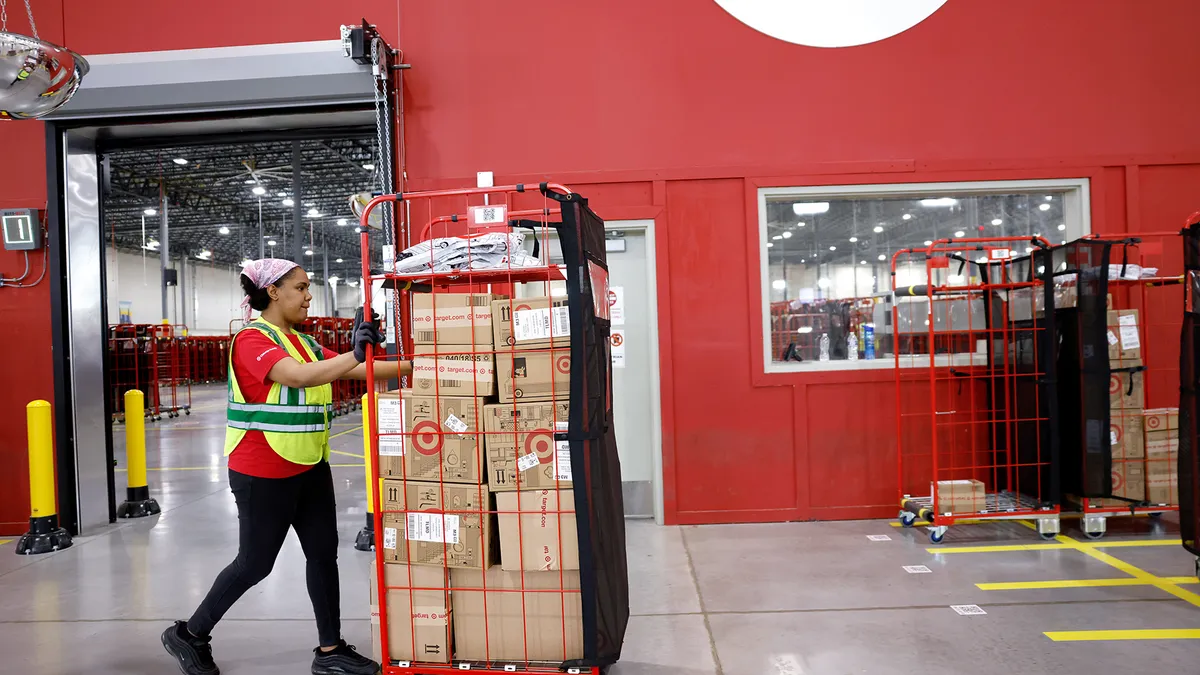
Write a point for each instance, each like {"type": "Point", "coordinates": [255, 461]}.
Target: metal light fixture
{"type": "Point", "coordinates": [36, 77]}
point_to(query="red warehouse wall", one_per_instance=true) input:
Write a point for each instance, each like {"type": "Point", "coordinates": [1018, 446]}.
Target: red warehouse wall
{"type": "Point", "coordinates": [673, 110]}
{"type": "Point", "coordinates": [98, 28]}
{"type": "Point", "coordinates": [679, 96]}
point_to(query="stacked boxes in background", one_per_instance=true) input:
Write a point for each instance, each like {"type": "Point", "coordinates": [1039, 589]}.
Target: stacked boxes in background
{"type": "Point", "coordinates": [1161, 427]}
{"type": "Point", "coordinates": [444, 451]}
{"type": "Point", "coordinates": [1127, 398]}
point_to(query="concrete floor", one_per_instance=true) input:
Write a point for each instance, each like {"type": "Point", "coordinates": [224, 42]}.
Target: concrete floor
{"type": "Point", "coordinates": [784, 599]}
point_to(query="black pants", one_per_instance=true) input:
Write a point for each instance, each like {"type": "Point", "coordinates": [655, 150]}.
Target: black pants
{"type": "Point", "coordinates": [267, 507]}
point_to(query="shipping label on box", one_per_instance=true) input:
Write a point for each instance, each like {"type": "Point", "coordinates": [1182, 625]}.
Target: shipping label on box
{"type": "Point", "coordinates": [446, 442]}
{"type": "Point", "coordinates": [1126, 388]}
{"type": "Point", "coordinates": [419, 618]}
{"type": "Point", "coordinates": [453, 319]}
{"type": "Point", "coordinates": [450, 374]}
{"type": "Point", "coordinates": [1125, 434]}
{"type": "Point", "coordinates": [444, 524]}
{"type": "Point", "coordinates": [520, 439]}
{"type": "Point", "coordinates": [534, 375]}
{"type": "Point", "coordinates": [389, 420]}
{"type": "Point", "coordinates": [542, 537]}
{"type": "Point", "coordinates": [1124, 342]}
{"type": "Point", "coordinates": [498, 624]}
{"type": "Point", "coordinates": [531, 322]}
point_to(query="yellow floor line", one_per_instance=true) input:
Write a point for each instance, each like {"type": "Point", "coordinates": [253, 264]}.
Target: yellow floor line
{"type": "Point", "coordinates": [5, 541]}
{"type": "Point", "coordinates": [1181, 580]}
{"type": "Point", "coordinates": [348, 454]}
{"type": "Point", "coordinates": [343, 433]}
{"type": "Point", "coordinates": [997, 549]}
{"type": "Point", "coordinates": [1131, 634]}
{"type": "Point", "coordinates": [1132, 544]}
{"type": "Point", "coordinates": [1064, 583]}
{"type": "Point", "coordinates": [1131, 570]}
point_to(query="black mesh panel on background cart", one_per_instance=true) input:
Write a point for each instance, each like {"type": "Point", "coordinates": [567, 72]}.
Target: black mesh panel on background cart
{"type": "Point", "coordinates": [1189, 380]}
{"type": "Point", "coordinates": [604, 579]}
{"type": "Point", "coordinates": [1083, 368]}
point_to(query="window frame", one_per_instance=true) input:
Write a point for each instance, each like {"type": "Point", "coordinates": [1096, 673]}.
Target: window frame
{"type": "Point", "coordinates": [1077, 209]}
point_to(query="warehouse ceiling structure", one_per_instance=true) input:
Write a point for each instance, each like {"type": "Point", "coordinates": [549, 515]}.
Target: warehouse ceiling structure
{"type": "Point", "coordinates": [217, 194]}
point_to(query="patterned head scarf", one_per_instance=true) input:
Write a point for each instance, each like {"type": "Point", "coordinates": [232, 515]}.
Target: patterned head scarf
{"type": "Point", "coordinates": [263, 273]}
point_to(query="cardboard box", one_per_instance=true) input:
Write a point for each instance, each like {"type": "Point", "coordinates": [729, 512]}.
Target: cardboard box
{"type": "Point", "coordinates": [521, 435]}
{"type": "Point", "coordinates": [542, 537]}
{"type": "Point", "coordinates": [453, 319]}
{"type": "Point", "coordinates": [534, 375]}
{"type": "Point", "coordinates": [1129, 479]}
{"type": "Point", "coordinates": [960, 496]}
{"type": "Point", "coordinates": [424, 612]}
{"type": "Point", "coordinates": [542, 632]}
{"type": "Point", "coordinates": [1124, 341]}
{"type": "Point", "coordinates": [1162, 455]}
{"type": "Point", "coordinates": [445, 442]}
{"type": "Point", "coordinates": [1162, 488]}
{"type": "Point", "coordinates": [531, 322]}
{"type": "Point", "coordinates": [1125, 434]}
{"type": "Point", "coordinates": [1161, 419]}
{"type": "Point", "coordinates": [453, 374]}
{"type": "Point", "coordinates": [445, 524]}
{"type": "Point", "coordinates": [1126, 388]}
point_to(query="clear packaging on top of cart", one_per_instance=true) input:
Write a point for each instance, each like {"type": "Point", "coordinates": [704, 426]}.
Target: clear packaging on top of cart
{"type": "Point", "coordinates": [491, 250]}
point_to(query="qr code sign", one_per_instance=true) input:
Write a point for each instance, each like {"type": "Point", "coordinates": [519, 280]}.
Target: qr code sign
{"type": "Point", "coordinates": [489, 215]}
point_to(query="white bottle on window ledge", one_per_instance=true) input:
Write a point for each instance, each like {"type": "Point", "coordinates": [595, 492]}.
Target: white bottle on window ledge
{"type": "Point", "coordinates": [824, 346]}
{"type": "Point", "coordinates": [852, 347]}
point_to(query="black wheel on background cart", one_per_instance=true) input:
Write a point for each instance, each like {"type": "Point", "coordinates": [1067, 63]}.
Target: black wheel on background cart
{"type": "Point", "coordinates": [1093, 535]}
{"type": "Point", "coordinates": [1048, 536]}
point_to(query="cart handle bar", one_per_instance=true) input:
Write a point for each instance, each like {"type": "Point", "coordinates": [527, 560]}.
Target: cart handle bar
{"type": "Point", "coordinates": [935, 246]}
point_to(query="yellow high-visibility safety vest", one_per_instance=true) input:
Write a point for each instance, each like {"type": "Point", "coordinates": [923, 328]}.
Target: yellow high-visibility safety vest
{"type": "Point", "coordinates": [294, 421]}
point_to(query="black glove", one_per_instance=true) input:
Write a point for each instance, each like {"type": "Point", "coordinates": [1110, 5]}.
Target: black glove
{"type": "Point", "coordinates": [366, 333]}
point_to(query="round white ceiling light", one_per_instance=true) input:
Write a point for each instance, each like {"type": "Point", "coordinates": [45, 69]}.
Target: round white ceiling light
{"type": "Point", "coordinates": [826, 23]}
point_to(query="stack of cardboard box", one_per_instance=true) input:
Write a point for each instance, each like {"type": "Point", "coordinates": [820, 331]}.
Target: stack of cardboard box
{"type": "Point", "coordinates": [437, 472]}
{"type": "Point", "coordinates": [1127, 399]}
{"type": "Point", "coordinates": [1161, 427]}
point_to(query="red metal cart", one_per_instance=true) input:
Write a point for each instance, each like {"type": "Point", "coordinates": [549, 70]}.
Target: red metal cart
{"type": "Point", "coordinates": [974, 373]}
{"type": "Point", "coordinates": [415, 524]}
{"type": "Point", "coordinates": [1143, 322]}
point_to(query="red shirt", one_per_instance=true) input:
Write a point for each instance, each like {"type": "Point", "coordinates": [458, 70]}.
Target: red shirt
{"type": "Point", "coordinates": [253, 356]}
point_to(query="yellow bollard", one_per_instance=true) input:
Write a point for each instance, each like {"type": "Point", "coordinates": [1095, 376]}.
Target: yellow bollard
{"type": "Point", "coordinates": [44, 534]}
{"type": "Point", "coordinates": [138, 503]}
{"type": "Point", "coordinates": [365, 541]}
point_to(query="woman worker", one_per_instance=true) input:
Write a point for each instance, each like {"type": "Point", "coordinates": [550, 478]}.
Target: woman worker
{"type": "Point", "coordinates": [277, 440]}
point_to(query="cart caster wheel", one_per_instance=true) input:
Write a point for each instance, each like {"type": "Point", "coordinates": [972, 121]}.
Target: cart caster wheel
{"type": "Point", "coordinates": [187, 412]}
{"type": "Point", "coordinates": [936, 538]}
{"type": "Point", "coordinates": [1093, 535]}
{"type": "Point", "coordinates": [907, 520]}
{"type": "Point", "coordinates": [1156, 515]}
{"type": "Point", "coordinates": [1048, 536]}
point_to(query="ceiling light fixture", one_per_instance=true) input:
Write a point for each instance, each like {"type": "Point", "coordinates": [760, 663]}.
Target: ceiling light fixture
{"type": "Point", "coordinates": [810, 208]}
{"type": "Point", "coordinates": [997, 221]}
{"type": "Point", "coordinates": [878, 229]}
{"type": "Point", "coordinates": [180, 161]}
{"type": "Point", "coordinates": [259, 190]}
{"type": "Point", "coordinates": [907, 216]}
{"type": "Point", "coordinates": [223, 230]}
{"type": "Point", "coordinates": [151, 212]}
{"type": "Point", "coordinates": [249, 181]}
{"type": "Point", "coordinates": [823, 282]}
{"type": "Point", "coordinates": [1049, 198]}
{"type": "Point", "coordinates": [289, 202]}
{"type": "Point", "coordinates": [369, 166]}
{"type": "Point", "coordinates": [313, 213]}
{"type": "Point", "coordinates": [960, 233]}
{"type": "Point", "coordinates": [280, 194]}
{"type": "Point", "coordinates": [862, 262]}
{"type": "Point", "coordinates": [787, 235]}
{"type": "Point", "coordinates": [928, 242]}
{"type": "Point", "coordinates": [1044, 207]}
{"type": "Point", "coordinates": [882, 256]}
{"type": "Point", "coordinates": [341, 222]}
{"type": "Point", "coordinates": [779, 285]}
{"type": "Point", "coordinates": [770, 245]}
{"type": "Point", "coordinates": [778, 237]}
{"type": "Point", "coordinates": [1062, 226]}
{"type": "Point", "coordinates": [940, 201]}
{"type": "Point", "coordinates": [308, 251]}
{"type": "Point", "coordinates": [800, 224]}
{"type": "Point", "coordinates": [338, 260]}
{"type": "Point", "coordinates": [853, 240]}
{"type": "Point", "coordinates": [271, 242]}
{"type": "Point", "coordinates": [832, 248]}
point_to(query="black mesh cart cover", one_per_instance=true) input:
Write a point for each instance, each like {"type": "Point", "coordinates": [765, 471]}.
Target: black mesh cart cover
{"type": "Point", "coordinates": [604, 577]}
{"type": "Point", "coordinates": [1189, 380]}
{"type": "Point", "coordinates": [1083, 368]}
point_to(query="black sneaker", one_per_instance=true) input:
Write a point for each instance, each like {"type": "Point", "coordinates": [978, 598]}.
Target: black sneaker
{"type": "Point", "coordinates": [193, 653]}
{"type": "Point", "coordinates": [343, 660]}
